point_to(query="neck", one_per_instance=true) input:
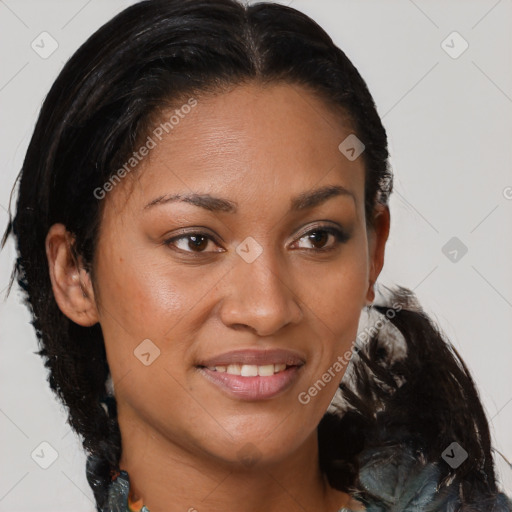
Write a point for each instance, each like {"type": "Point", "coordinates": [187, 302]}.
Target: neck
{"type": "Point", "coordinates": [168, 477]}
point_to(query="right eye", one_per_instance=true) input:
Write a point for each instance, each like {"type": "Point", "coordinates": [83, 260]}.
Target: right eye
{"type": "Point", "coordinates": [193, 242]}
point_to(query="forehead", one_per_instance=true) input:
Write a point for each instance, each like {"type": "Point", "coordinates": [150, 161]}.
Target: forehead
{"type": "Point", "coordinates": [272, 140]}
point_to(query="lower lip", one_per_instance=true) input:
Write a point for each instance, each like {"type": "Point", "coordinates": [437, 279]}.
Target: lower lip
{"type": "Point", "coordinates": [253, 388]}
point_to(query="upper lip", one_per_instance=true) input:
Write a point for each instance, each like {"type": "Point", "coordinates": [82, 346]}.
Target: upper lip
{"type": "Point", "coordinates": [257, 357]}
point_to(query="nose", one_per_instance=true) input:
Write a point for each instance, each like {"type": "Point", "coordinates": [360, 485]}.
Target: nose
{"type": "Point", "coordinates": [260, 297]}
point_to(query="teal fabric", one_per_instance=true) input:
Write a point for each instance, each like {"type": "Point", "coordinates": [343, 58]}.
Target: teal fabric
{"type": "Point", "coordinates": [398, 479]}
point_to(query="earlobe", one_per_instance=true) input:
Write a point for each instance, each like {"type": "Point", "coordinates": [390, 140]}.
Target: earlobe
{"type": "Point", "coordinates": [370, 295]}
{"type": "Point", "coordinates": [71, 283]}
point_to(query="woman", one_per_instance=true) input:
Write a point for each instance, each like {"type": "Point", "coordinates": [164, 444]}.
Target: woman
{"type": "Point", "coordinates": [202, 217]}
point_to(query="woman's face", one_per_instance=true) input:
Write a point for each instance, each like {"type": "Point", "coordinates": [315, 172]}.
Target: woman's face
{"type": "Point", "coordinates": [268, 262]}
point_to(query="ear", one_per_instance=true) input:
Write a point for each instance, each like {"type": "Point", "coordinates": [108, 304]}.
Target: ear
{"type": "Point", "coordinates": [377, 239]}
{"type": "Point", "coordinates": [71, 283]}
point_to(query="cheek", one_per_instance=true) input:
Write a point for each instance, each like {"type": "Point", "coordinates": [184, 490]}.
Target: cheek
{"type": "Point", "coordinates": [335, 298]}
{"type": "Point", "coordinates": [146, 297]}
{"type": "Point", "coordinates": [140, 304]}
{"type": "Point", "coordinates": [336, 292]}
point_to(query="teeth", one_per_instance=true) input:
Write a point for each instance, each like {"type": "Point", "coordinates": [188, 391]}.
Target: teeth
{"type": "Point", "coordinates": [266, 370]}
{"type": "Point", "coordinates": [250, 370]}
{"type": "Point", "coordinates": [234, 369]}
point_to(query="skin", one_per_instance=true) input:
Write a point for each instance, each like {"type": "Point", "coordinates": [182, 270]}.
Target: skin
{"type": "Point", "coordinates": [183, 439]}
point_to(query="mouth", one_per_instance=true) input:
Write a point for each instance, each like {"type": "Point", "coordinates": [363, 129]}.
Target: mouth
{"type": "Point", "coordinates": [250, 370]}
{"type": "Point", "coordinates": [252, 387]}
{"type": "Point", "coordinates": [253, 374]}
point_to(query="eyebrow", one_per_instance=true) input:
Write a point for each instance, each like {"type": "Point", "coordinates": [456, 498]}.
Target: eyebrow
{"type": "Point", "coordinates": [304, 201]}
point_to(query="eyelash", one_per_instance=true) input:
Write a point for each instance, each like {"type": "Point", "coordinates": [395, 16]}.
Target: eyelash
{"type": "Point", "coordinates": [339, 238]}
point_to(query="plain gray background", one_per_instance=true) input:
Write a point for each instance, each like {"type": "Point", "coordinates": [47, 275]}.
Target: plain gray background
{"type": "Point", "coordinates": [448, 114]}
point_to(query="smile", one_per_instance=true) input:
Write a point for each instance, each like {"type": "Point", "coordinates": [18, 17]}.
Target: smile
{"type": "Point", "coordinates": [244, 382]}
{"type": "Point", "coordinates": [250, 370]}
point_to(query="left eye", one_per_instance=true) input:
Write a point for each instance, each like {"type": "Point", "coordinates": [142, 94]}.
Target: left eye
{"type": "Point", "coordinates": [320, 236]}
